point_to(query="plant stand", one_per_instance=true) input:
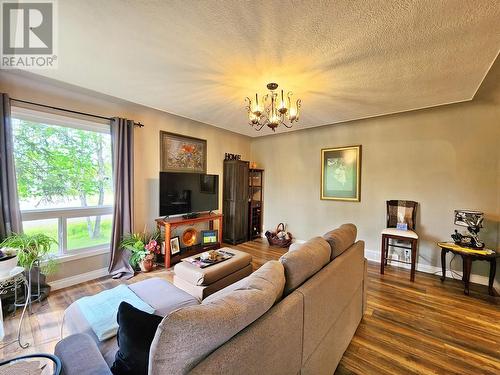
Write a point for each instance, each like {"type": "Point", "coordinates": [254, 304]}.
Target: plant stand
{"type": "Point", "coordinates": [31, 297]}
{"type": "Point", "coordinates": [10, 283]}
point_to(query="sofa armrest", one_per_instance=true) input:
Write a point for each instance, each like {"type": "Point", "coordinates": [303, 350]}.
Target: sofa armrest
{"type": "Point", "coordinates": [79, 355]}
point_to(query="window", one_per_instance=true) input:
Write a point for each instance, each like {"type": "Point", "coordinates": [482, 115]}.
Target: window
{"type": "Point", "coordinates": [64, 179]}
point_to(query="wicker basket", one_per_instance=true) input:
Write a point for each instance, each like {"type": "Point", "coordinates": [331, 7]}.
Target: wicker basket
{"type": "Point", "coordinates": [273, 239]}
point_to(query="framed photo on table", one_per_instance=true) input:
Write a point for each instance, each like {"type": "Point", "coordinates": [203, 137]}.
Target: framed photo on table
{"type": "Point", "coordinates": [341, 173]}
{"type": "Point", "coordinates": [175, 247]}
{"type": "Point", "coordinates": [209, 237]}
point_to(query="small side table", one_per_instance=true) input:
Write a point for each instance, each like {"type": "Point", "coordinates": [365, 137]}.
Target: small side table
{"type": "Point", "coordinates": [8, 283]}
{"type": "Point", "coordinates": [468, 255]}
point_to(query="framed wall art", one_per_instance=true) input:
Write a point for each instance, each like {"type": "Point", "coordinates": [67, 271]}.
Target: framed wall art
{"type": "Point", "coordinates": [179, 153]}
{"type": "Point", "coordinates": [341, 173]}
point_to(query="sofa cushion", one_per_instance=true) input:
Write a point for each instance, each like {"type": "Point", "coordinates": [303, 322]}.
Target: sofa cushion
{"type": "Point", "coordinates": [100, 309]}
{"type": "Point", "coordinates": [295, 246]}
{"type": "Point", "coordinates": [301, 264]}
{"type": "Point", "coordinates": [135, 333]}
{"type": "Point", "coordinates": [270, 273]}
{"type": "Point", "coordinates": [188, 335]}
{"type": "Point", "coordinates": [341, 239]}
{"type": "Point", "coordinates": [171, 297]}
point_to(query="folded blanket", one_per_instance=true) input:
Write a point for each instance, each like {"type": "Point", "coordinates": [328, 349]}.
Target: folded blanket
{"type": "Point", "coordinates": [101, 309]}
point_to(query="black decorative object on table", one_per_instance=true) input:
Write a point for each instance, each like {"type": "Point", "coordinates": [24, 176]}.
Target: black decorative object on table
{"type": "Point", "coordinates": [473, 220]}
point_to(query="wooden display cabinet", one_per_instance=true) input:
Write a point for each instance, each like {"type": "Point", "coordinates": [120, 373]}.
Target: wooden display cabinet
{"type": "Point", "coordinates": [255, 202]}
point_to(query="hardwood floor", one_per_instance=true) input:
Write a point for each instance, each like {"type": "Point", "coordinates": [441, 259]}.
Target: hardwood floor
{"type": "Point", "coordinates": [426, 327]}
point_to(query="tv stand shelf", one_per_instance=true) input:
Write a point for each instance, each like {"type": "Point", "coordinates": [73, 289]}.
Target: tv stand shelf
{"type": "Point", "coordinates": [172, 222]}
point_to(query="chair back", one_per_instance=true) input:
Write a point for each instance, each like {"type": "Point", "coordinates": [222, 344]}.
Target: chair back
{"type": "Point", "coordinates": [398, 210]}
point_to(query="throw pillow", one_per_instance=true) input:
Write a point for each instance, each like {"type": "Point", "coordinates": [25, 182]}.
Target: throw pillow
{"type": "Point", "coordinates": [135, 333]}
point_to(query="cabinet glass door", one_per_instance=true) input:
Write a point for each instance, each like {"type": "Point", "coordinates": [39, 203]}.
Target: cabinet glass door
{"type": "Point", "coordinates": [255, 178]}
{"type": "Point", "coordinates": [256, 193]}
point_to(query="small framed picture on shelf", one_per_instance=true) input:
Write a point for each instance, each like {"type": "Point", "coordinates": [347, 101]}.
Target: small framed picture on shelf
{"type": "Point", "coordinates": [175, 247]}
{"type": "Point", "coordinates": [209, 237]}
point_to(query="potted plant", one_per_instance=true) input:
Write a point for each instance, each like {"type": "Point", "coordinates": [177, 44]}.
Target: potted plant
{"type": "Point", "coordinates": [8, 260]}
{"type": "Point", "coordinates": [32, 250]}
{"type": "Point", "coordinates": [143, 248]}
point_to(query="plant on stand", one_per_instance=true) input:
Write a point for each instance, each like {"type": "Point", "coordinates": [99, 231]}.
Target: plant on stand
{"type": "Point", "coordinates": [32, 250]}
{"type": "Point", "coordinates": [33, 253]}
{"type": "Point", "coordinates": [143, 248]}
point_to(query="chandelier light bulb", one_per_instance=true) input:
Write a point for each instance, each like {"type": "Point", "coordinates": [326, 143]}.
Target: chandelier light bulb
{"type": "Point", "coordinates": [283, 107]}
{"type": "Point", "coordinates": [257, 110]}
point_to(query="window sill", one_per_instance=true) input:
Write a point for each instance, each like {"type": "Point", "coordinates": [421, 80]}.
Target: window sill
{"type": "Point", "coordinates": [81, 254]}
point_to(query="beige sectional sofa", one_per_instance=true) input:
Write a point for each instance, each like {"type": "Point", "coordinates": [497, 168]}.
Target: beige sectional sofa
{"type": "Point", "coordinates": [293, 316]}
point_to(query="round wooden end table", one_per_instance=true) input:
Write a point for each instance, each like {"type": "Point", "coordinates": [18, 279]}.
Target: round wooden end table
{"type": "Point", "coordinates": [468, 255]}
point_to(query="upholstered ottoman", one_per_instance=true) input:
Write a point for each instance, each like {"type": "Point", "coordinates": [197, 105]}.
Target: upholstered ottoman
{"type": "Point", "coordinates": [201, 282]}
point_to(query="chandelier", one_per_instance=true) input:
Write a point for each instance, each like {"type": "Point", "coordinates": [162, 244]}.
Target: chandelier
{"type": "Point", "coordinates": [274, 109]}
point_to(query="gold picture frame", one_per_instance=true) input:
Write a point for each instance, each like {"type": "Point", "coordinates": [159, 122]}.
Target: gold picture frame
{"type": "Point", "coordinates": [180, 153]}
{"type": "Point", "coordinates": [341, 173]}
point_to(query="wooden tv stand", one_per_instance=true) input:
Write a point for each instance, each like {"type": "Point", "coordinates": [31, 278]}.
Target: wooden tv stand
{"type": "Point", "coordinates": [170, 223]}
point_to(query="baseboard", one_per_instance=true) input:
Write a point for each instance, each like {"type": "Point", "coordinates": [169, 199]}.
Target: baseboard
{"type": "Point", "coordinates": [374, 256]}
{"type": "Point", "coordinates": [77, 279]}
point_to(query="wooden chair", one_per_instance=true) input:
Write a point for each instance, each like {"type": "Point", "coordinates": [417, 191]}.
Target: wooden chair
{"type": "Point", "coordinates": [400, 211]}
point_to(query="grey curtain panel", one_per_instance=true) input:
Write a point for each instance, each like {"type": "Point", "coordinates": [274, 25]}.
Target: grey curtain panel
{"type": "Point", "coordinates": [122, 144]}
{"type": "Point", "coordinates": [10, 215]}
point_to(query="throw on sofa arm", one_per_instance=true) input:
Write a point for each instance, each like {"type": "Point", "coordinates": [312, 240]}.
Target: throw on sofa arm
{"type": "Point", "coordinates": [79, 355]}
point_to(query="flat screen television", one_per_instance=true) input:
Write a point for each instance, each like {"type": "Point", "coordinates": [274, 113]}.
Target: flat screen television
{"type": "Point", "coordinates": [187, 193]}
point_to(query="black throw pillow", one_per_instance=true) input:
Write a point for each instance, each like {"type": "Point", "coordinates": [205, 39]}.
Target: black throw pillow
{"type": "Point", "coordinates": [136, 330]}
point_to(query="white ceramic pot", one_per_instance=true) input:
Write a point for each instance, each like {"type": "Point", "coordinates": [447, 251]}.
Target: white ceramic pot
{"type": "Point", "coordinates": [7, 265]}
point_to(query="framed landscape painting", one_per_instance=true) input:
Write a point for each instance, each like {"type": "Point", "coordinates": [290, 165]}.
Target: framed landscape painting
{"type": "Point", "coordinates": [179, 153]}
{"type": "Point", "coordinates": [341, 173]}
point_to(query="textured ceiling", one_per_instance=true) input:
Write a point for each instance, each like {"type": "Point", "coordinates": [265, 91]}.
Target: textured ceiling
{"type": "Point", "coordinates": [345, 59]}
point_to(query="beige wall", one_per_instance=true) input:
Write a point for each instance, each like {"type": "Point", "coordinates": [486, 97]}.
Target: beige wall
{"type": "Point", "coordinates": [146, 150]}
{"type": "Point", "coordinates": [445, 158]}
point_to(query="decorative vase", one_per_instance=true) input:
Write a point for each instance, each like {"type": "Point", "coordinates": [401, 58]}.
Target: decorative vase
{"type": "Point", "coordinates": [147, 264]}
{"type": "Point", "coordinates": [7, 264]}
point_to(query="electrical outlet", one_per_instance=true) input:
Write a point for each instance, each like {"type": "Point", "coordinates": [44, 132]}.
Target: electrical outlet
{"type": "Point", "coordinates": [407, 255]}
